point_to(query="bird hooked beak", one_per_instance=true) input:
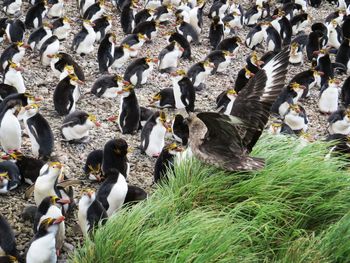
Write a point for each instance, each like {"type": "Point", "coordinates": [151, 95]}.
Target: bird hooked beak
{"type": "Point", "coordinates": [59, 220]}
{"type": "Point", "coordinates": [63, 201]}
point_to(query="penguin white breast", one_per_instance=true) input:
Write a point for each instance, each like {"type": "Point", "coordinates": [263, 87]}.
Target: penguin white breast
{"type": "Point", "coordinates": [10, 132]}
{"type": "Point", "coordinates": [146, 73]}
{"type": "Point", "coordinates": [200, 78]}
{"type": "Point", "coordinates": [75, 132]}
{"type": "Point", "coordinates": [223, 65]}
{"type": "Point", "coordinates": [56, 10]}
{"type": "Point", "coordinates": [86, 46]}
{"type": "Point", "coordinates": [341, 126]}
{"type": "Point", "coordinates": [82, 214]}
{"type": "Point", "coordinates": [111, 92]}
{"type": "Point", "coordinates": [3, 188]}
{"type": "Point", "coordinates": [42, 250]}
{"type": "Point", "coordinates": [14, 78]}
{"type": "Point", "coordinates": [43, 188]}
{"type": "Point", "coordinates": [229, 107]}
{"type": "Point", "coordinates": [118, 63]}
{"type": "Point", "coordinates": [50, 50]}
{"type": "Point", "coordinates": [117, 195]}
{"type": "Point", "coordinates": [169, 60]}
{"type": "Point", "coordinates": [48, 34]}
{"type": "Point", "coordinates": [177, 96]}
{"type": "Point", "coordinates": [33, 141]}
{"type": "Point", "coordinates": [156, 140]}
{"type": "Point", "coordinates": [329, 100]}
{"type": "Point", "coordinates": [295, 122]}
{"type": "Point", "coordinates": [14, 7]}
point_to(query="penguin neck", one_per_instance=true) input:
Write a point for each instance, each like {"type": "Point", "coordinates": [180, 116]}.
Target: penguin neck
{"type": "Point", "coordinates": [110, 159]}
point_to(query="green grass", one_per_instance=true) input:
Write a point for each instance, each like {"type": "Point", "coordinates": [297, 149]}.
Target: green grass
{"type": "Point", "coordinates": [294, 210]}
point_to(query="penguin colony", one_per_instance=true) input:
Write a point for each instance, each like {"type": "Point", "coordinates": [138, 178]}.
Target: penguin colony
{"type": "Point", "coordinates": [101, 56]}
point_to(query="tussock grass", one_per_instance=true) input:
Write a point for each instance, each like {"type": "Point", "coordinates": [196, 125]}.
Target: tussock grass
{"type": "Point", "coordinates": [291, 211]}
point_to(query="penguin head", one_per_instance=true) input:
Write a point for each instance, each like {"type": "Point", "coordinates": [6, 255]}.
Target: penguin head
{"type": "Point", "coordinates": [334, 23]}
{"type": "Point", "coordinates": [227, 54]}
{"type": "Point", "coordinates": [294, 109]}
{"type": "Point", "coordinates": [47, 26]}
{"type": "Point", "coordinates": [87, 198]}
{"type": "Point", "coordinates": [161, 119]}
{"type": "Point", "coordinates": [74, 80]}
{"type": "Point", "coordinates": [127, 49]}
{"type": "Point", "coordinates": [134, 4]}
{"type": "Point", "coordinates": [156, 99]}
{"type": "Point", "coordinates": [50, 224]}
{"type": "Point", "coordinates": [142, 37]}
{"type": "Point", "coordinates": [216, 20]}
{"type": "Point", "coordinates": [21, 46]}
{"type": "Point", "coordinates": [55, 57]}
{"type": "Point", "coordinates": [173, 148]}
{"type": "Point", "coordinates": [208, 65]}
{"type": "Point", "coordinates": [112, 38]}
{"type": "Point", "coordinates": [248, 73]}
{"type": "Point", "coordinates": [15, 66]}
{"type": "Point", "coordinates": [95, 172]}
{"type": "Point", "coordinates": [231, 93]}
{"type": "Point", "coordinates": [276, 126]}
{"type": "Point", "coordinates": [88, 24]}
{"type": "Point", "coordinates": [66, 20]}
{"type": "Point", "coordinates": [297, 87]}
{"type": "Point", "coordinates": [347, 114]}
{"type": "Point", "coordinates": [306, 136]}
{"type": "Point", "coordinates": [151, 61]}
{"type": "Point", "coordinates": [294, 48]}
{"type": "Point", "coordinates": [333, 83]}
{"type": "Point", "coordinates": [278, 14]}
{"type": "Point", "coordinates": [126, 90]}
{"type": "Point", "coordinates": [120, 147]}
{"type": "Point", "coordinates": [4, 179]}
{"type": "Point", "coordinates": [69, 69]}
{"type": "Point", "coordinates": [178, 74]}
{"type": "Point", "coordinates": [119, 80]}
{"type": "Point", "coordinates": [31, 99]}
{"type": "Point", "coordinates": [52, 170]}
{"type": "Point", "coordinates": [31, 110]}
{"type": "Point", "coordinates": [15, 155]}
{"type": "Point", "coordinates": [255, 60]}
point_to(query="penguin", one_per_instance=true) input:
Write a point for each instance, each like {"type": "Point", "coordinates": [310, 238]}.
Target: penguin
{"type": "Point", "coordinates": [145, 114]}
{"type": "Point", "coordinates": [115, 157]}
{"type": "Point", "coordinates": [338, 16]}
{"type": "Point", "coordinates": [218, 8]}
{"type": "Point", "coordinates": [179, 129]}
{"type": "Point", "coordinates": [61, 27]}
{"type": "Point", "coordinates": [121, 54]}
{"type": "Point", "coordinates": [60, 60]}
{"type": "Point", "coordinates": [343, 54]}
{"type": "Point", "coordinates": [18, 100]}
{"type": "Point", "coordinates": [93, 165]}
{"type": "Point", "coordinates": [169, 56]}
{"type": "Point", "coordinates": [164, 99]}
{"type": "Point", "coordinates": [75, 127]}
{"type": "Point", "coordinates": [43, 246]}
{"type": "Point", "coordinates": [313, 44]}
{"type": "Point", "coordinates": [199, 72]}
{"type": "Point", "coordinates": [84, 5]}
{"type": "Point", "coordinates": [300, 22]}
{"type": "Point", "coordinates": [308, 79]}
{"type": "Point", "coordinates": [10, 177]}
{"type": "Point", "coordinates": [182, 41]}
{"type": "Point", "coordinates": [105, 53]}
{"type": "Point", "coordinates": [296, 118]}
{"type": "Point", "coordinates": [345, 93]}
{"type": "Point", "coordinates": [184, 92]}
{"type": "Point", "coordinates": [339, 147]}
{"type": "Point", "coordinates": [134, 195]}
{"type": "Point", "coordinates": [56, 9]}
{"type": "Point", "coordinates": [127, 17]}
{"type": "Point", "coordinates": [153, 134]}
{"type": "Point", "coordinates": [49, 48]}
{"type": "Point", "coordinates": [339, 122]}
{"type": "Point", "coordinates": [216, 32]}
{"type": "Point", "coordinates": [329, 94]}
{"type": "Point", "coordinates": [221, 60]}
{"type": "Point", "coordinates": [187, 31]}
{"type": "Point", "coordinates": [296, 54]}
{"type": "Point", "coordinates": [135, 42]}
{"type": "Point", "coordinates": [137, 71]}
{"type": "Point", "coordinates": [6, 90]}
{"type": "Point", "coordinates": [234, 19]}
{"type": "Point", "coordinates": [324, 65]}
{"type": "Point", "coordinates": [291, 9]}
{"type": "Point", "coordinates": [12, 7]}
{"type": "Point", "coordinates": [252, 15]}
{"type": "Point", "coordinates": [39, 36]}
{"type": "Point", "coordinates": [165, 162]}
{"type": "Point", "coordinates": [90, 212]}
{"type": "Point", "coordinates": [107, 86]}
{"type": "Point", "coordinates": [102, 26]}
{"type": "Point", "coordinates": [51, 207]}
{"type": "Point", "coordinates": [231, 44]}
{"type": "Point", "coordinates": [113, 191]}
{"type": "Point", "coordinates": [13, 77]}
{"type": "Point", "coordinates": [8, 245]}
{"type": "Point", "coordinates": [95, 11]}
{"type": "Point", "coordinates": [283, 27]}
{"type": "Point", "coordinates": [272, 38]}
{"type": "Point", "coordinates": [255, 37]}
{"type": "Point", "coordinates": [147, 28]}
{"type": "Point", "coordinates": [323, 32]}
{"type": "Point", "coordinates": [68, 70]}
{"type": "Point", "coordinates": [346, 27]}
{"type": "Point", "coordinates": [243, 76]}
{"type": "Point", "coordinates": [334, 35]}
{"type": "Point", "coordinates": [39, 131]}
{"type": "Point", "coordinates": [14, 52]}
{"type": "Point", "coordinates": [63, 97]}
{"type": "Point", "coordinates": [145, 14]}
{"type": "Point", "coordinates": [226, 101]}
{"type": "Point", "coordinates": [83, 41]}
{"type": "Point", "coordinates": [35, 15]}
{"type": "Point", "coordinates": [15, 30]}
{"type": "Point", "coordinates": [278, 127]}
{"type": "Point", "coordinates": [196, 16]}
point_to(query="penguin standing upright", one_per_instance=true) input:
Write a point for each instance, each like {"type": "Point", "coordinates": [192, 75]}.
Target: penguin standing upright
{"type": "Point", "coordinates": [145, 14]}
{"type": "Point", "coordinates": [138, 71]}
{"type": "Point", "coordinates": [345, 93]}
{"type": "Point", "coordinates": [11, 7]}
{"type": "Point", "coordinates": [324, 65]}
{"type": "Point", "coordinates": [199, 72]}
{"type": "Point", "coordinates": [283, 27]}
{"type": "Point", "coordinates": [127, 17]}
{"type": "Point", "coordinates": [147, 28]}
{"type": "Point", "coordinates": [226, 107]}
{"type": "Point", "coordinates": [60, 60]}
{"type": "Point", "coordinates": [129, 111]}
{"type": "Point", "coordinates": [15, 31]}
{"type": "Point", "coordinates": [56, 9]}
{"type": "Point", "coordinates": [121, 54]}
{"type": "Point", "coordinates": [187, 31]}
{"type": "Point", "coordinates": [10, 177]}
{"type": "Point", "coordinates": [339, 122]}
{"type": "Point", "coordinates": [164, 99]}
{"type": "Point", "coordinates": [39, 36]}
{"type": "Point", "coordinates": [221, 60]}
{"type": "Point", "coordinates": [180, 129]}
{"type": "Point", "coordinates": [105, 53]}
{"type": "Point", "coordinates": [153, 134]}
{"type": "Point", "coordinates": [272, 38]}
{"type": "Point", "coordinates": [182, 41]}
{"type": "Point", "coordinates": [102, 26]}
{"type": "Point", "coordinates": [90, 212]}
{"type": "Point", "coordinates": [334, 35]}
{"type": "Point", "coordinates": [252, 15]}
{"type": "Point", "coordinates": [169, 57]}
{"type": "Point", "coordinates": [255, 37]}
{"type": "Point", "coordinates": [313, 44]}
{"type": "Point", "coordinates": [83, 41]}
{"type": "Point", "coordinates": [184, 91]}
{"type": "Point", "coordinates": [329, 94]}
{"type": "Point", "coordinates": [115, 157]}
{"type": "Point", "coordinates": [108, 85]}
{"type": "Point", "coordinates": [135, 42]}
{"type": "Point", "coordinates": [61, 27]}
{"type": "Point", "coordinates": [14, 52]}
{"type": "Point", "coordinates": [113, 191]}
{"type": "Point", "coordinates": [296, 54]}
{"type": "Point", "coordinates": [296, 118]}
{"type": "Point", "coordinates": [300, 22]}
{"type": "Point", "coordinates": [49, 48]}
{"type": "Point", "coordinates": [216, 32]}
{"type": "Point", "coordinates": [76, 126]}
{"type": "Point", "coordinates": [13, 77]}
{"type": "Point", "coordinates": [231, 44]}
{"type": "Point", "coordinates": [7, 240]}
{"type": "Point", "coordinates": [309, 79]}
{"type": "Point", "coordinates": [343, 54]}
{"type": "Point", "coordinates": [93, 165]}
{"type": "Point", "coordinates": [95, 11]}
{"type": "Point", "coordinates": [39, 132]}
{"type": "Point", "coordinates": [35, 15]}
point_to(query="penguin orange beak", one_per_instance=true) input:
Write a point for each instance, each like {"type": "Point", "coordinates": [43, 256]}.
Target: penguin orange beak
{"type": "Point", "coordinates": [182, 49]}
{"type": "Point", "coordinates": [49, 56]}
{"type": "Point", "coordinates": [98, 179]}
{"type": "Point", "coordinates": [126, 82]}
{"type": "Point", "coordinates": [63, 201]}
{"type": "Point", "coordinates": [80, 82]}
{"type": "Point", "coordinates": [19, 69]}
{"type": "Point", "coordinates": [155, 60]}
{"type": "Point", "coordinates": [260, 63]}
{"type": "Point", "coordinates": [26, 46]}
{"type": "Point", "coordinates": [316, 52]}
{"type": "Point", "coordinates": [337, 81]}
{"type": "Point", "coordinates": [321, 73]}
{"type": "Point", "coordinates": [59, 220]}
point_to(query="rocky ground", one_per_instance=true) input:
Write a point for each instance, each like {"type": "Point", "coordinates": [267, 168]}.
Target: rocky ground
{"type": "Point", "coordinates": [41, 81]}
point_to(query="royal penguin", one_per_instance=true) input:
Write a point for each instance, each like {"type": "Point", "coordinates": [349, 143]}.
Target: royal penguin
{"type": "Point", "coordinates": [255, 37]}
{"type": "Point", "coordinates": [102, 26]}
{"type": "Point", "coordinates": [61, 27]}
{"type": "Point", "coordinates": [35, 15]}
{"type": "Point", "coordinates": [48, 49]}
{"type": "Point", "coordinates": [56, 9]}
{"type": "Point", "coordinates": [122, 54]}
{"type": "Point", "coordinates": [64, 97]}
{"type": "Point", "coordinates": [67, 70]}
{"type": "Point", "coordinates": [147, 28]}
{"type": "Point", "coordinates": [84, 5]}
{"type": "Point", "coordinates": [60, 60]}
{"type": "Point", "coordinates": [308, 79]}
{"type": "Point", "coordinates": [283, 27]}
{"type": "Point", "coordinates": [165, 162]}
{"type": "Point", "coordinates": [182, 41]}
{"type": "Point", "coordinates": [127, 17]}
{"type": "Point", "coordinates": [153, 134]}
{"type": "Point", "coordinates": [163, 99]}
{"type": "Point", "coordinates": [12, 7]}
{"type": "Point", "coordinates": [324, 64]}
{"type": "Point", "coordinates": [105, 53]}
{"type": "Point", "coordinates": [221, 60]}
{"type": "Point", "coordinates": [90, 212]}
{"type": "Point", "coordinates": [43, 246]}
{"type": "Point", "coordinates": [334, 34]}
{"type": "Point", "coordinates": [179, 129]}
{"type": "Point", "coordinates": [196, 16]}
{"type": "Point", "coordinates": [183, 90]}
{"type": "Point", "coordinates": [296, 56]}
{"type": "Point", "coordinates": [243, 76]}
{"type": "Point", "coordinates": [168, 58]}
{"type": "Point", "coordinates": [76, 126]}
{"type": "Point", "coordinates": [313, 44]}
{"type": "Point", "coordinates": [6, 90]}
{"type": "Point", "coordinates": [300, 22]}
{"type": "Point", "coordinates": [337, 15]}
{"type": "Point", "coordinates": [329, 95]}
{"type": "Point", "coordinates": [15, 30]}
{"type": "Point", "coordinates": [343, 54]}
{"type": "Point", "coordinates": [39, 131]}
{"type": "Point", "coordinates": [252, 15]}
{"type": "Point", "coordinates": [218, 8]}
{"type": "Point", "coordinates": [83, 42]}
{"type": "Point", "coordinates": [296, 118]}
{"type": "Point", "coordinates": [137, 71]}
{"type": "Point", "coordinates": [8, 247]}
{"type": "Point", "coordinates": [145, 14]}
{"type": "Point", "coordinates": [345, 93]}
{"type": "Point", "coordinates": [199, 72]}
{"type": "Point", "coordinates": [95, 11]}
{"type": "Point", "coordinates": [272, 38]}
{"type": "Point", "coordinates": [93, 165]}
{"type": "Point", "coordinates": [234, 19]}
{"type": "Point", "coordinates": [216, 32]}
{"type": "Point", "coordinates": [187, 30]}
{"type": "Point", "coordinates": [14, 52]}
{"type": "Point", "coordinates": [322, 29]}
{"type": "Point", "coordinates": [39, 36]}
{"type": "Point", "coordinates": [145, 114]}
{"type": "Point", "coordinates": [227, 100]}
{"type": "Point", "coordinates": [13, 76]}
{"type": "Point", "coordinates": [113, 191]}
{"type": "Point", "coordinates": [10, 177]}
{"type": "Point", "coordinates": [339, 122]}
{"type": "Point", "coordinates": [231, 44]}
{"type": "Point", "coordinates": [107, 86]}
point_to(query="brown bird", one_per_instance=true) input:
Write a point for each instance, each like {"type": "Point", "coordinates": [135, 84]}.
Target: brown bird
{"type": "Point", "coordinates": [225, 141]}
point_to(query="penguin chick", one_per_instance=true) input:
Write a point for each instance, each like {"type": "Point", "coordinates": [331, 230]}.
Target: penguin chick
{"type": "Point", "coordinates": [15, 31]}
{"type": "Point", "coordinates": [61, 27]}
{"type": "Point", "coordinates": [43, 246]}
{"type": "Point", "coordinates": [216, 32]}
{"type": "Point", "coordinates": [7, 240]}
{"type": "Point", "coordinates": [329, 94]}
{"type": "Point", "coordinates": [76, 126]}
{"type": "Point", "coordinates": [35, 15]}
{"type": "Point", "coordinates": [93, 165]}
{"type": "Point", "coordinates": [183, 90]}
{"type": "Point", "coordinates": [135, 42]}
{"type": "Point", "coordinates": [90, 212]}
{"type": "Point", "coordinates": [296, 118]}
{"type": "Point", "coordinates": [165, 162]}
{"type": "Point", "coordinates": [164, 99]}
{"type": "Point", "coordinates": [60, 60]}
{"type": "Point", "coordinates": [63, 97]}
{"type": "Point", "coordinates": [49, 48]}
{"type": "Point", "coordinates": [107, 86]}
{"type": "Point", "coordinates": [105, 53]}
{"type": "Point", "coordinates": [231, 44]}
{"type": "Point", "coordinates": [339, 122]}
{"type": "Point", "coordinates": [113, 191]}
{"type": "Point", "coordinates": [169, 57]}
{"type": "Point", "coordinates": [199, 72]}
{"type": "Point", "coordinates": [115, 157]}
{"type": "Point", "coordinates": [129, 110]}
{"type": "Point", "coordinates": [221, 60]}
{"type": "Point", "coordinates": [39, 132]}
{"type": "Point", "coordinates": [137, 72]}
{"type": "Point", "coordinates": [179, 129]}
{"type": "Point", "coordinates": [13, 77]}
{"type": "Point", "coordinates": [10, 178]}
{"type": "Point", "coordinates": [153, 134]}
{"type": "Point", "coordinates": [83, 41]}
{"type": "Point", "coordinates": [39, 36]}
{"type": "Point", "coordinates": [182, 41]}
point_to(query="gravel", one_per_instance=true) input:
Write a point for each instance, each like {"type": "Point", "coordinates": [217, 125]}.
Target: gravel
{"type": "Point", "coordinates": [41, 81]}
